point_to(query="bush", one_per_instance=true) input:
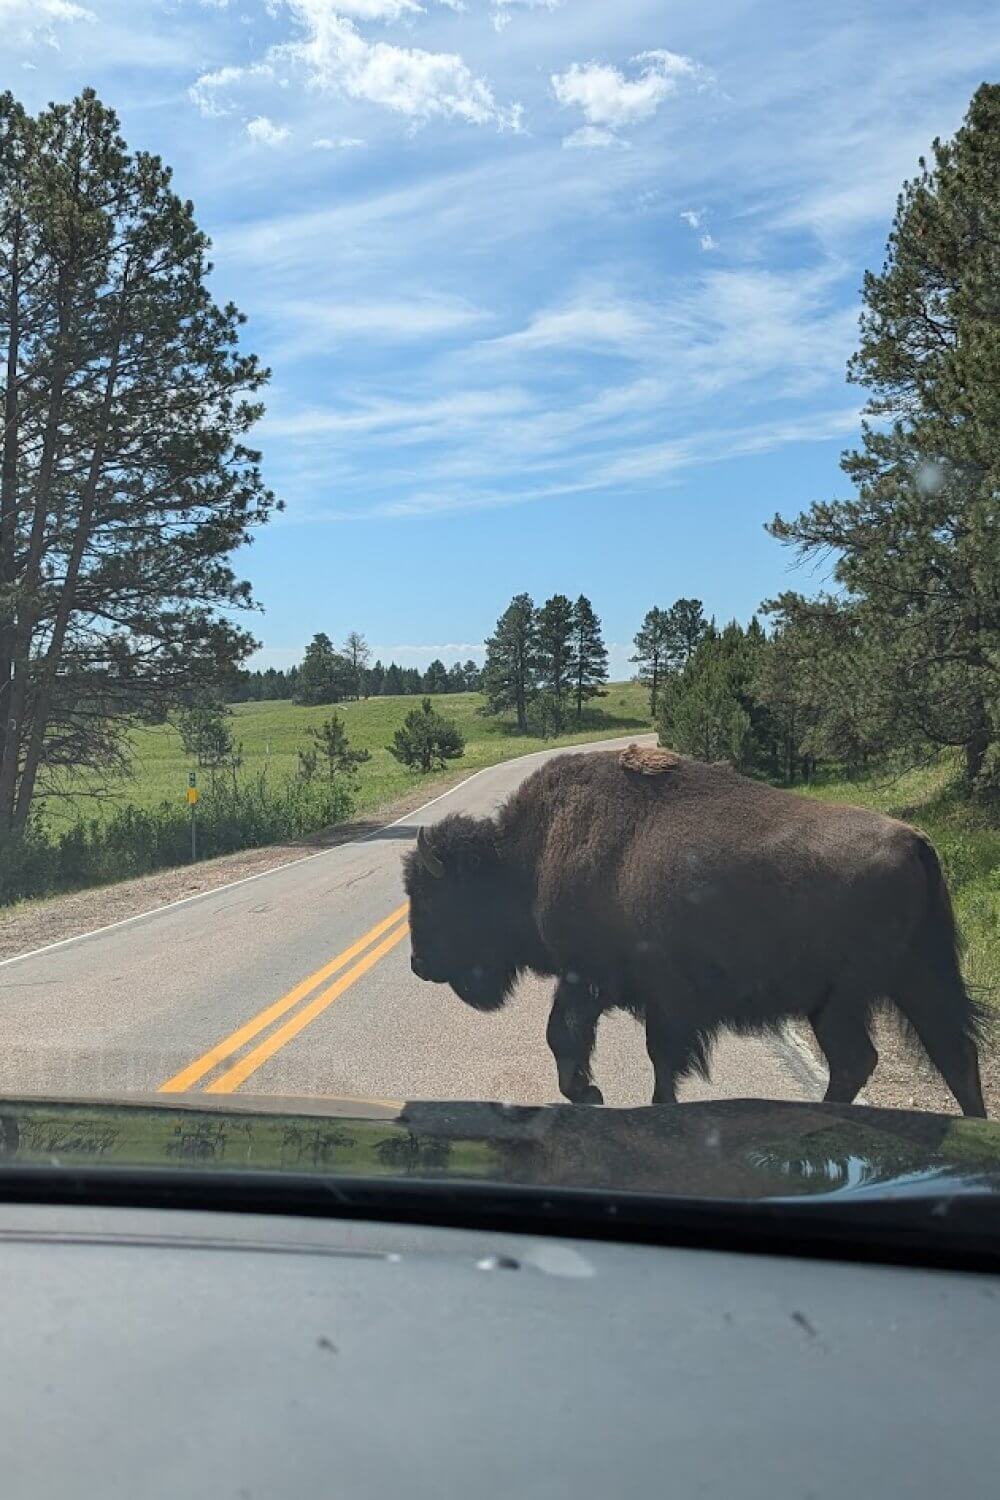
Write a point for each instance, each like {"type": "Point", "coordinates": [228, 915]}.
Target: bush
{"type": "Point", "coordinates": [427, 739]}
{"type": "Point", "coordinates": [135, 841]}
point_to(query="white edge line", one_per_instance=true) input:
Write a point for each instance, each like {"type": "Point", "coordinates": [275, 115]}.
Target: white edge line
{"type": "Point", "coordinates": [153, 911]}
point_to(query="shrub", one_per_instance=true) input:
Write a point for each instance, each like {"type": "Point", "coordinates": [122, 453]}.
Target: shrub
{"type": "Point", "coordinates": [427, 739]}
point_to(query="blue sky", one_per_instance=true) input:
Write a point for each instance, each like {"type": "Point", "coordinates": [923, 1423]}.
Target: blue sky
{"type": "Point", "coordinates": [557, 294]}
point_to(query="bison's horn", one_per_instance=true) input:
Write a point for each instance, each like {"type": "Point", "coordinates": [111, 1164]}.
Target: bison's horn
{"type": "Point", "coordinates": [428, 858]}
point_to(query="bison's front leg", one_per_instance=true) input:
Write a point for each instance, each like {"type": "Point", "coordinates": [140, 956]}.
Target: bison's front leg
{"type": "Point", "coordinates": [571, 1034]}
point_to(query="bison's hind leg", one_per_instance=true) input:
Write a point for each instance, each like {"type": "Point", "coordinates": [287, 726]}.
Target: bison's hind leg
{"type": "Point", "coordinates": [946, 1021]}
{"type": "Point", "coordinates": [572, 1032]}
{"type": "Point", "coordinates": [841, 1028]}
{"type": "Point", "coordinates": [675, 1048]}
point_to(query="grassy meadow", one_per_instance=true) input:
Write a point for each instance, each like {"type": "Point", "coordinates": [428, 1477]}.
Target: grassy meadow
{"type": "Point", "coordinates": [272, 734]}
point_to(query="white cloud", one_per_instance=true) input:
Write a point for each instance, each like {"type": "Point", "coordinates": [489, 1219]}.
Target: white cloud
{"type": "Point", "coordinates": [31, 21]}
{"type": "Point", "coordinates": [377, 10]}
{"type": "Point", "coordinates": [264, 132]}
{"type": "Point", "coordinates": [337, 143]}
{"type": "Point", "coordinates": [336, 58]}
{"type": "Point", "coordinates": [691, 218]}
{"type": "Point", "coordinates": [607, 97]}
{"type": "Point", "coordinates": [211, 91]}
{"type": "Point", "coordinates": [591, 136]}
{"type": "Point", "coordinates": [708, 243]}
{"type": "Point", "coordinates": [503, 9]}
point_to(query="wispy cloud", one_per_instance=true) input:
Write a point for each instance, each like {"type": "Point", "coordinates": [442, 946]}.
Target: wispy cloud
{"type": "Point", "coordinates": [28, 22]}
{"type": "Point", "coordinates": [503, 10]}
{"type": "Point", "coordinates": [589, 137]}
{"type": "Point", "coordinates": [585, 326]}
{"type": "Point", "coordinates": [337, 143]}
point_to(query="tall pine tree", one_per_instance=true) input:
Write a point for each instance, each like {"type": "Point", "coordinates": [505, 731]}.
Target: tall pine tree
{"type": "Point", "coordinates": [918, 547]}
{"type": "Point", "coordinates": [652, 652]}
{"type": "Point", "coordinates": [125, 479]}
{"type": "Point", "coordinates": [589, 655]}
{"type": "Point", "coordinates": [510, 676]}
{"type": "Point", "coordinates": [555, 653]}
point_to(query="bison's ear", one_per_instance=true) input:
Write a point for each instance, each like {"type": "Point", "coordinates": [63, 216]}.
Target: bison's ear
{"type": "Point", "coordinates": [426, 855]}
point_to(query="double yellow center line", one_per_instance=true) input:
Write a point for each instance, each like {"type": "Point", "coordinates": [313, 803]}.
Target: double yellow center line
{"type": "Point", "coordinates": [391, 930]}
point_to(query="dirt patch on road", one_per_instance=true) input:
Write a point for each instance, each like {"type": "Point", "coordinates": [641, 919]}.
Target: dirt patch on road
{"type": "Point", "coordinates": [904, 1079]}
{"type": "Point", "coordinates": [33, 924]}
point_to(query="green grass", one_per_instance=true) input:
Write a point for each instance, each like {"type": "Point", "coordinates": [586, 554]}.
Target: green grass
{"type": "Point", "coordinates": [272, 734]}
{"type": "Point", "coordinates": [968, 846]}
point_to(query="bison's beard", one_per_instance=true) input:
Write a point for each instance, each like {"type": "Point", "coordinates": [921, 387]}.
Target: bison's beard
{"type": "Point", "coordinates": [485, 989]}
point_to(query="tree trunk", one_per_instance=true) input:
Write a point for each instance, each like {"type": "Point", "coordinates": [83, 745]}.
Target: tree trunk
{"type": "Point", "coordinates": [26, 619]}
{"type": "Point", "coordinates": [8, 482]}
{"type": "Point", "coordinates": [976, 747]}
{"type": "Point", "coordinates": [67, 599]}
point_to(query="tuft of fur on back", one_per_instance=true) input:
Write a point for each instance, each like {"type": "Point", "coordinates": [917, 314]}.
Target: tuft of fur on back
{"type": "Point", "coordinates": [642, 761]}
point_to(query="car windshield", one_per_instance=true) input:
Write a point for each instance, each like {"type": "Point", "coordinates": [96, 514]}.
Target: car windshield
{"type": "Point", "coordinates": [607, 710]}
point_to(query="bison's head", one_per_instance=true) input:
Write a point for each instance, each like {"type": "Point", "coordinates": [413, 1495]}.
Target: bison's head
{"type": "Point", "coordinates": [464, 920]}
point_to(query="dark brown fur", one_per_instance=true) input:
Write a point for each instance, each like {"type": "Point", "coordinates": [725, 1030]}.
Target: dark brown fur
{"type": "Point", "coordinates": [700, 901]}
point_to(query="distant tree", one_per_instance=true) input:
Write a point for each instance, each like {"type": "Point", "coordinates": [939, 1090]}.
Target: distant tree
{"type": "Point", "coordinates": [472, 675]}
{"type": "Point", "coordinates": [413, 681]}
{"type": "Point", "coordinates": [588, 656]}
{"type": "Point", "coordinates": [652, 652]}
{"type": "Point", "coordinates": [436, 678]}
{"type": "Point", "coordinates": [456, 678]}
{"type": "Point", "coordinates": [358, 653]}
{"type": "Point", "coordinates": [324, 676]}
{"type": "Point", "coordinates": [686, 629]}
{"type": "Point", "coordinates": [554, 632]}
{"type": "Point", "coordinates": [205, 733]}
{"type": "Point", "coordinates": [510, 676]}
{"type": "Point", "coordinates": [427, 739]}
{"type": "Point", "coordinates": [392, 682]}
{"type": "Point", "coordinates": [375, 679]}
{"type": "Point", "coordinates": [333, 746]}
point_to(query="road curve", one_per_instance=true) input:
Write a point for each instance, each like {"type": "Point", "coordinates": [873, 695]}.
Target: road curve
{"type": "Point", "coordinates": [298, 983]}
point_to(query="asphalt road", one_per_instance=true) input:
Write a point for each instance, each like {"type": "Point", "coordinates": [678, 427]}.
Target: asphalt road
{"type": "Point", "coordinates": [297, 982]}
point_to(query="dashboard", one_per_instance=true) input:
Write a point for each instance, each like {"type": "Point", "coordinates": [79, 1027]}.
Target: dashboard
{"type": "Point", "coordinates": [171, 1354]}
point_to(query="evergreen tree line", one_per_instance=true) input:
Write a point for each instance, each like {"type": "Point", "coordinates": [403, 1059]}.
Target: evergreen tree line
{"type": "Point", "coordinates": [329, 675]}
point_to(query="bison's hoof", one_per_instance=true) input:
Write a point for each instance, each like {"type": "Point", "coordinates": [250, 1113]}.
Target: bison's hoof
{"type": "Point", "coordinates": [590, 1095]}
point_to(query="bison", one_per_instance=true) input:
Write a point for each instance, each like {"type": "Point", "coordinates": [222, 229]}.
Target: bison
{"type": "Point", "coordinates": [699, 901]}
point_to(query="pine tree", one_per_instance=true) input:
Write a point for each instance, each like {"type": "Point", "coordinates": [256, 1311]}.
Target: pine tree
{"type": "Point", "coordinates": [392, 683]}
{"type": "Point", "coordinates": [358, 653]}
{"type": "Point", "coordinates": [334, 747]}
{"type": "Point", "coordinates": [125, 479]}
{"type": "Point", "coordinates": [510, 676]}
{"type": "Point", "coordinates": [427, 739]}
{"type": "Point", "coordinates": [554, 632]}
{"type": "Point", "coordinates": [472, 673]}
{"type": "Point", "coordinates": [652, 649]}
{"type": "Point", "coordinates": [435, 679]}
{"type": "Point", "coordinates": [324, 676]}
{"type": "Point", "coordinates": [918, 548]}
{"type": "Point", "coordinates": [374, 680]}
{"type": "Point", "coordinates": [686, 629]}
{"type": "Point", "coordinates": [456, 679]}
{"type": "Point", "coordinates": [589, 655]}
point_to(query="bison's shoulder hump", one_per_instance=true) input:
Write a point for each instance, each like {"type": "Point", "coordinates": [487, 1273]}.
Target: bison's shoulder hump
{"type": "Point", "coordinates": [642, 761]}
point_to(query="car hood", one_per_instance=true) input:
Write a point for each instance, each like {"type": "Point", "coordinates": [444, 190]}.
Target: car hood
{"type": "Point", "coordinates": [733, 1150]}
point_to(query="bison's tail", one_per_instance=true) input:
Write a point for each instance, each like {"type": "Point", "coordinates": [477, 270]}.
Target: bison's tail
{"type": "Point", "coordinates": [939, 946]}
